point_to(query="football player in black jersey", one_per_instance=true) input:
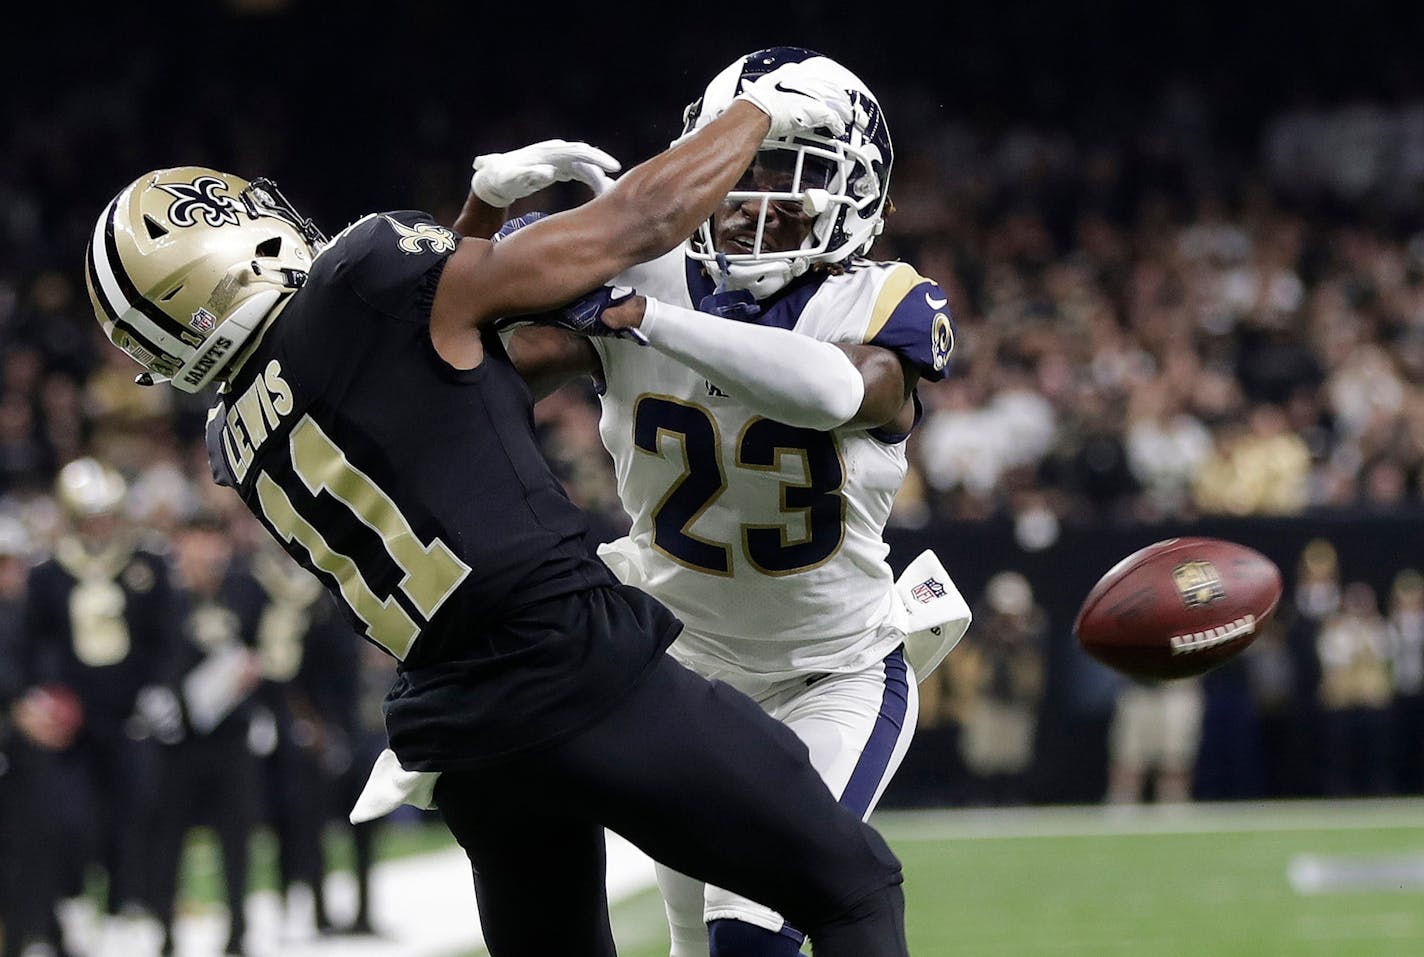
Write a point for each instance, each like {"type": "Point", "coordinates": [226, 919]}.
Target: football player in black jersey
{"type": "Point", "coordinates": [95, 629]}
{"type": "Point", "coordinates": [32, 729]}
{"type": "Point", "coordinates": [369, 416]}
{"type": "Point", "coordinates": [308, 683]}
{"type": "Point", "coordinates": [210, 771]}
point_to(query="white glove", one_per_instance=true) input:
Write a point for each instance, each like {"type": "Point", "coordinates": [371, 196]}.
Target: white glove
{"type": "Point", "coordinates": [502, 178]}
{"type": "Point", "coordinates": [159, 714]}
{"type": "Point", "coordinates": [593, 177]}
{"type": "Point", "coordinates": [800, 97]}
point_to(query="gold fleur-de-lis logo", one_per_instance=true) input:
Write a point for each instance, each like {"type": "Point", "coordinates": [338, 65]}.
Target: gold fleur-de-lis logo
{"type": "Point", "coordinates": [441, 240]}
{"type": "Point", "coordinates": [1198, 582]}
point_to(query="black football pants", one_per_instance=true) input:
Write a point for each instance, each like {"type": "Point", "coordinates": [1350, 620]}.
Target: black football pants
{"type": "Point", "coordinates": [701, 779]}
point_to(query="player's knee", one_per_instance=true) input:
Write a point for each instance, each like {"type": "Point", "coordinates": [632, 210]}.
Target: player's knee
{"type": "Point", "coordinates": [873, 926]}
{"type": "Point", "coordinates": [734, 938]}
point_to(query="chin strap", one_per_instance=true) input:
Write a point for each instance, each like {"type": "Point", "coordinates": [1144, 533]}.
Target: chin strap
{"type": "Point", "coordinates": [738, 304]}
{"type": "Point", "coordinates": [225, 341]}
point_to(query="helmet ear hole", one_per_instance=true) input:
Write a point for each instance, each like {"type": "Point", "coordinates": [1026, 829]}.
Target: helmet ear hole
{"type": "Point", "coordinates": [155, 230]}
{"type": "Point", "coordinates": [269, 248]}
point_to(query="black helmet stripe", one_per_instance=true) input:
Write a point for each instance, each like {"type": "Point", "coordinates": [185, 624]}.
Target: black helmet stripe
{"type": "Point", "coordinates": [111, 315]}
{"type": "Point", "coordinates": [157, 316]}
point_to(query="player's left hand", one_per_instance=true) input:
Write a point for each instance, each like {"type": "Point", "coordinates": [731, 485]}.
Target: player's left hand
{"type": "Point", "coordinates": [502, 178]}
{"type": "Point", "coordinates": [585, 314]}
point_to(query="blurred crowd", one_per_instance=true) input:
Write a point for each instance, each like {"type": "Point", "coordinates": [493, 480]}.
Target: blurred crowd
{"type": "Point", "coordinates": [1153, 321]}
{"type": "Point", "coordinates": [160, 678]}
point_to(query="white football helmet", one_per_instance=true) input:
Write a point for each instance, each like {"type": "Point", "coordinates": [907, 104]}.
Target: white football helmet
{"type": "Point", "coordinates": [186, 263]}
{"type": "Point", "coordinates": [842, 181]}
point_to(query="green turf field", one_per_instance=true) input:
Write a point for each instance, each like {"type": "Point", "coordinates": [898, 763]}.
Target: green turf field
{"type": "Point", "coordinates": [1196, 882]}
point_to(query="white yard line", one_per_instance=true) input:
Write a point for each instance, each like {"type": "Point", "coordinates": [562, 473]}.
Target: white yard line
{"type": "Point", "coordinates": [1107, 821]}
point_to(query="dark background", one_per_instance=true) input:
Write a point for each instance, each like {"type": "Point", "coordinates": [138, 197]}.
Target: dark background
{"type": "Point", "coordinates": [366, 95]}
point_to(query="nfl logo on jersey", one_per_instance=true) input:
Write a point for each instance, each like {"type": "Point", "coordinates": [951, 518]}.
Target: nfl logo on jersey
{"type": "Point", "coordinates": [928, 590]}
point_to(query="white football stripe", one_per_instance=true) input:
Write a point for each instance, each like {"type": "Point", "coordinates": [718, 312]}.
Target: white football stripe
{"type": "Point", "coordinates": [108, 287]}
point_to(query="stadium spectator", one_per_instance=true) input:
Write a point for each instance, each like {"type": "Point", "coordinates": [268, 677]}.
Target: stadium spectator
{"type": "Point", "coordinates": [1166, 446]}
{"type": "Point", "coordinates": [1280, 706]}
{"type": "Point", "coordinates": [1152, 742]}
{"type": "Point", "coordinates": [1259, 467]}
{"type": "Point", "coordinates": [29, 734]}
{"type": "Point", "coordinates": [95, 626]}
{"type": "Point", "coordinates": [364, 726]}
{"type": "Point", "coordinates": [1001, 662]}
{"type": "Point", "coordinates": [1355, 696]}
{"type": "Point", "coordinates": [306, 654]}
{"type": "Point", "coordinates": [210, 775]}
{"type": "Point", "coordinates": [1405, 623]}
{"type": "Point", "coordinates": [933, 773]}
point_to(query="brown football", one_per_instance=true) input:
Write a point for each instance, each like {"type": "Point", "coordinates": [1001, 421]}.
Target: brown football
{"type": "Point", "coordinates": [1178, 608]}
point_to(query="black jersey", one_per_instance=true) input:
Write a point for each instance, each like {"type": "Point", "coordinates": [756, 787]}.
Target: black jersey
{"type": "Point", "coordinates": [96, 623]}
{"type": "Point", "coordinates": [417, 492]}
{"type": "Point", "coordinates": [208, 628]}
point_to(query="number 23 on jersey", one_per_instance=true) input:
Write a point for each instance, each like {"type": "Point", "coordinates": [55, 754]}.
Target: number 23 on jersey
{"type": "Point", "coordinates": [763, 444]}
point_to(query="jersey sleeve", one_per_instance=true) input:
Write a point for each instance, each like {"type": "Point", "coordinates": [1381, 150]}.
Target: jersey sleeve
{"type": "Point", "coordinates": [387, 260]}
{"type": "Point", "coordinates": [911, 317]}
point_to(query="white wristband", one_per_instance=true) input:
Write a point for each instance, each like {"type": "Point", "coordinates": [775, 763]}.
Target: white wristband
{"type": "Point", "coordinates": [779, 373]}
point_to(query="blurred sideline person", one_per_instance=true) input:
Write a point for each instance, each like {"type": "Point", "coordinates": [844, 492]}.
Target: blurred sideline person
{"type": "Point", "coordinates": [1405, 624]}
{"type": "Point", "coordinates": [759, 445]}
{"type": "Point", "coordinates": [210, 770]}
{"type": "Point", "coordinates": [1003, 671]}
{"type": "Point", "coordinates": [1153, 739]}
{"type": "Point", "coordinates": [365, 732]}
{"type": "Point", "coordinates": [31, 729]}
{"type": "Point", "coordinates": [1355, 693]}
{"type": "Point", "coordinates": [308, 678]}
{"type": "Point", "coordinates": [94, 626]}
{"type": "Point", "coordinates": [368, 414]}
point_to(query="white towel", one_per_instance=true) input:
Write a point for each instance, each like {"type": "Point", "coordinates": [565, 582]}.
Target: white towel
{"type": "Point", "coordinates": [931, 613]}
{"type": "Point", "coordinates": [390, 786]}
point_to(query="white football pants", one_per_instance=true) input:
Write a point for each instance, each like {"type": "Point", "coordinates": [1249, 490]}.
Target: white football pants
{"type": "Point", "coordinates": [857, 727]}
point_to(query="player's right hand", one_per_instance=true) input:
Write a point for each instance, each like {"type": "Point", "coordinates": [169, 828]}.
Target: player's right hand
{"type": "Point", "coordinates": [799, 97]}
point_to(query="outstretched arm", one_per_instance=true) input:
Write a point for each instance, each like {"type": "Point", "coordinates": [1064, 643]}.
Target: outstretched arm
{"type": "Point", "coordinates": [781, 374]}
{"type": "Point", "coordinates": [502, 178]}
{"type": "Point", "coordinates": [649, 210]}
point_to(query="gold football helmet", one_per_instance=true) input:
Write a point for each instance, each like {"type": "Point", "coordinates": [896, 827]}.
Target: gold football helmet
{"type": "Point", "coordinates": [187, 263]}
{"type": "Point", "coordinates": [87, 487]}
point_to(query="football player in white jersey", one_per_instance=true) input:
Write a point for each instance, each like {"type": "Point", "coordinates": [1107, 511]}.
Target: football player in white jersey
{"type": "Point", "coordinates": [757, 390]}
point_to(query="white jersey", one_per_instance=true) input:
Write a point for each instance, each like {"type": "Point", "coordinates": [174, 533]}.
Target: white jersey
{"type": "Point", "coordinates": [764, 538]}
